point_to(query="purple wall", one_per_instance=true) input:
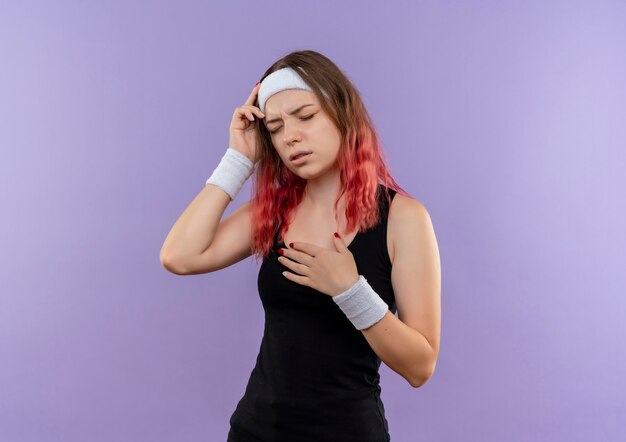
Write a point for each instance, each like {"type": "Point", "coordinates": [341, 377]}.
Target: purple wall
{"type": "Point", "coordinates": [505, 119]}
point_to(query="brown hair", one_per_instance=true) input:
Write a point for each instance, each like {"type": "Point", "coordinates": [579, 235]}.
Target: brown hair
{"type": "Point", "coordinates": [277, 190]}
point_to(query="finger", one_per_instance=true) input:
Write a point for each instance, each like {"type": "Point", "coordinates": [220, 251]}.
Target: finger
{"type": "Point", "coordinates": [256, 111]}
{"type": "Point", "coordinates": [338, 241]}
{"type": "Point", "coordinates": [252, 95]}
{"type": "Point", "coordinates": [302, 280]}
{"type": "Point", "coordinates": [293, 265]}
{"type": "Point", "coordinates": [297, 256]}
{"type": "Point", "coordinates": [304, 248]}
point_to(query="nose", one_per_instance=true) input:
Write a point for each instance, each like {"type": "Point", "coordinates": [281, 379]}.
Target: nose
{"type": "Point", "coordinates": [290, 135]}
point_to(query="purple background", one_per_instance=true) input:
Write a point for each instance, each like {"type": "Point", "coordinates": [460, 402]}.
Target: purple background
{"type": "Point", "coordinates": [505, 119]}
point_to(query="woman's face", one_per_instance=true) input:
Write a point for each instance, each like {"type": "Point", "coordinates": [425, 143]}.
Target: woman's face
{"type": "Point", "coordinates": [309, 129]}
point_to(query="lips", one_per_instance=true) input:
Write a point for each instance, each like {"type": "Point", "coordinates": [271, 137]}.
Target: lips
{"type": "Point", "coordinates": [297, 153]}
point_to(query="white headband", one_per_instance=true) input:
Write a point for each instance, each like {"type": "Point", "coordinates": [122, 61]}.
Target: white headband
{"type": "Point", "coordinates": [280, 80]}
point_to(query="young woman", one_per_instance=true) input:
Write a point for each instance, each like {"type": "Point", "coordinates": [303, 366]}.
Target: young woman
{"type": "Point", "coordinates": [343, 248]}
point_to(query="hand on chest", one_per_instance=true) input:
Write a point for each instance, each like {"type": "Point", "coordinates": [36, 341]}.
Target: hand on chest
{"type": "Point", "coordinates": [318, 230]}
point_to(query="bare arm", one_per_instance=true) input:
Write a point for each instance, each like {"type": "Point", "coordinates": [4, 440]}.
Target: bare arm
{"type": "Point", "coordinates": [200, 241]}
{"type": "Point", "coordinates": [194, 230]}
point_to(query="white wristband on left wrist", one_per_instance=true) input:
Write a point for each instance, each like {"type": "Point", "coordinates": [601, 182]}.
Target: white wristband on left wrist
{"type": "Point", "coordinates": [361, 304]}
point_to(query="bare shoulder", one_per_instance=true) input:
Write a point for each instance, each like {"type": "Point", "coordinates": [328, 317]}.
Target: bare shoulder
{"type": "Point", "coordinates": [406, 216]}
{"type": "Point", "coordinates": [405, 205]}
{"type": "Point", "coordinates": [416, 271]}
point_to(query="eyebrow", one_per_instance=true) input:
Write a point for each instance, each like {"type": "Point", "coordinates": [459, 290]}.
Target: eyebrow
{"type": "Point", "coordinates": [295, 111]}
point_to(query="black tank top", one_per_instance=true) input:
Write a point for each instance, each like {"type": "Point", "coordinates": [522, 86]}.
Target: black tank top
{"type": "Point", "coordinates": [316, 377]}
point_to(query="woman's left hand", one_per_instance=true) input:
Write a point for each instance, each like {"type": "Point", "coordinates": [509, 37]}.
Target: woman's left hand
{"type": "Point", "coordinates": [331, 272]}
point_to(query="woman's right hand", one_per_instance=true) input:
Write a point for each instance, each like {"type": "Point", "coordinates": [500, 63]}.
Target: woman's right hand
{"type": "Point", "coordinates": [243, 127]}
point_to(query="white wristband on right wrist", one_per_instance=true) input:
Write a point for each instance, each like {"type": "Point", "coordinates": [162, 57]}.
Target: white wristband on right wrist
{"type": "Point", "coordinates": [232, 172]}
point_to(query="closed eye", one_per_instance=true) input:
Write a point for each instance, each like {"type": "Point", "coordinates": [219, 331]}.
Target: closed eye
{"type": "Point", "coordinates": [302, 119]}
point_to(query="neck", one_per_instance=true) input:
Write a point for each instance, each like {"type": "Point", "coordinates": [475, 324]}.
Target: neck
{"type": "Point", "coordinates": [320, 193]}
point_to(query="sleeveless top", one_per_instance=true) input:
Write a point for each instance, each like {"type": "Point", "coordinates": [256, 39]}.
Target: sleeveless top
{"type": "Point", "coordinates": [316, 377]}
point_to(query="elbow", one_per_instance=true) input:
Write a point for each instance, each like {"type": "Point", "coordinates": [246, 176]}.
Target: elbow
{"type": "Point", "coordinates": [418, 381]}
{"type": "Point", "coordinates": [171, 265]}
{"type": "Point", "coordinates": [421, 378]}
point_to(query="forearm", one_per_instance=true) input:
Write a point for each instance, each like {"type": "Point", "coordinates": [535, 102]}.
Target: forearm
{"type": "Point", "coordinates": [194, 230]}
{"type": "Point", "coordinates": [404, 349]}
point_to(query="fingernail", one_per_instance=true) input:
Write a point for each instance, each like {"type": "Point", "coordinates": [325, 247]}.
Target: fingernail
{"type": "Point", "coordinates": [257, 83]}
{"type": "Point", "coordinates": [291, 245]}
{"type": "Point", "coordinates": [336, 234]}
{"type": "Point", "coordinates": [280, 251]}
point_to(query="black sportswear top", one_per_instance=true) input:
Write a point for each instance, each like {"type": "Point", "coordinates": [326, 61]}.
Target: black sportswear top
{"type": "Point", "coordinates": [316, 377]}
